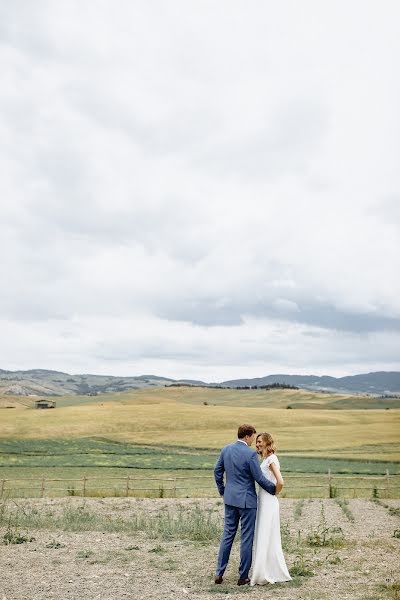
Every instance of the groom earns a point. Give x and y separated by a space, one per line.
242 468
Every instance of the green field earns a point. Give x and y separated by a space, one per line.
88 453
106 463
177 432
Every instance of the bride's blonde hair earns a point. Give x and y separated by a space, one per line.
270 446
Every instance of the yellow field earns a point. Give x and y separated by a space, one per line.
277 398
177 416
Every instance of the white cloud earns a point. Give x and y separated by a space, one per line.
219 173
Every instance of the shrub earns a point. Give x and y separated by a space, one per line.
324 536
54 544
298 509
301 566
158 550
13 537
333 492
344 505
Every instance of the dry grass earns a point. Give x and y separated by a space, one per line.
136 417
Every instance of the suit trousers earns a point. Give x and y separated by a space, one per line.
247 519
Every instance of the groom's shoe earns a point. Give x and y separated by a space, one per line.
218 579
243 581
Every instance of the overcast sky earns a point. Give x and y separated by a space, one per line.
200 189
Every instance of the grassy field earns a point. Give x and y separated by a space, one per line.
170 431
166 470
99 453
272 398
180 417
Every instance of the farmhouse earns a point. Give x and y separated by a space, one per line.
45 404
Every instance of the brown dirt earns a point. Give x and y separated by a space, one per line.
98 566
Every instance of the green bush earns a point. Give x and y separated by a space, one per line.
324 536
14 537
333 491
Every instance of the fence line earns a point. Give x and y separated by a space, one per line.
328 486
287 476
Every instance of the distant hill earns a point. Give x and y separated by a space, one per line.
381 382
42 382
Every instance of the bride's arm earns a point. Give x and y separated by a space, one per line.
279 479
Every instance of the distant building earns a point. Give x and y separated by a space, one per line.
45 404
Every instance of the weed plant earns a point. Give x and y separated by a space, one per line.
324 536
344 505
286 537
194 524
391 590
302 565
333 491
298 509
55 544
14 537
158 550
394 511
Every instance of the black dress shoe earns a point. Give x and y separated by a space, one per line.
243 581
218 579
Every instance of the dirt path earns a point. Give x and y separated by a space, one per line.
98 565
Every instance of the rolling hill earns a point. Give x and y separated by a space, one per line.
43 382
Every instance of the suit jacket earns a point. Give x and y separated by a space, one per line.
240 463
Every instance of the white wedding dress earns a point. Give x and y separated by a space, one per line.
269 564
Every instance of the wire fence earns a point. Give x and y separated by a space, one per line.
319 485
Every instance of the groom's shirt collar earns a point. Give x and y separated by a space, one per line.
242 442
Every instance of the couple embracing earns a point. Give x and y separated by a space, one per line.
242 468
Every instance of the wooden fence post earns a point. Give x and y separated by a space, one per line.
174 488
42 488
2 488
127 486
84 485
329 483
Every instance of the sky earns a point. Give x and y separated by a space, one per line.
205 190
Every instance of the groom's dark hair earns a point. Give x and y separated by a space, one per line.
245 430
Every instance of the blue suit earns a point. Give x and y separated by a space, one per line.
240 463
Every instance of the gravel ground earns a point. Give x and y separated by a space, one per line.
106 566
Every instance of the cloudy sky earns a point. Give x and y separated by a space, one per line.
200 189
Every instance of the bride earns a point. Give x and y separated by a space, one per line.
269 564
